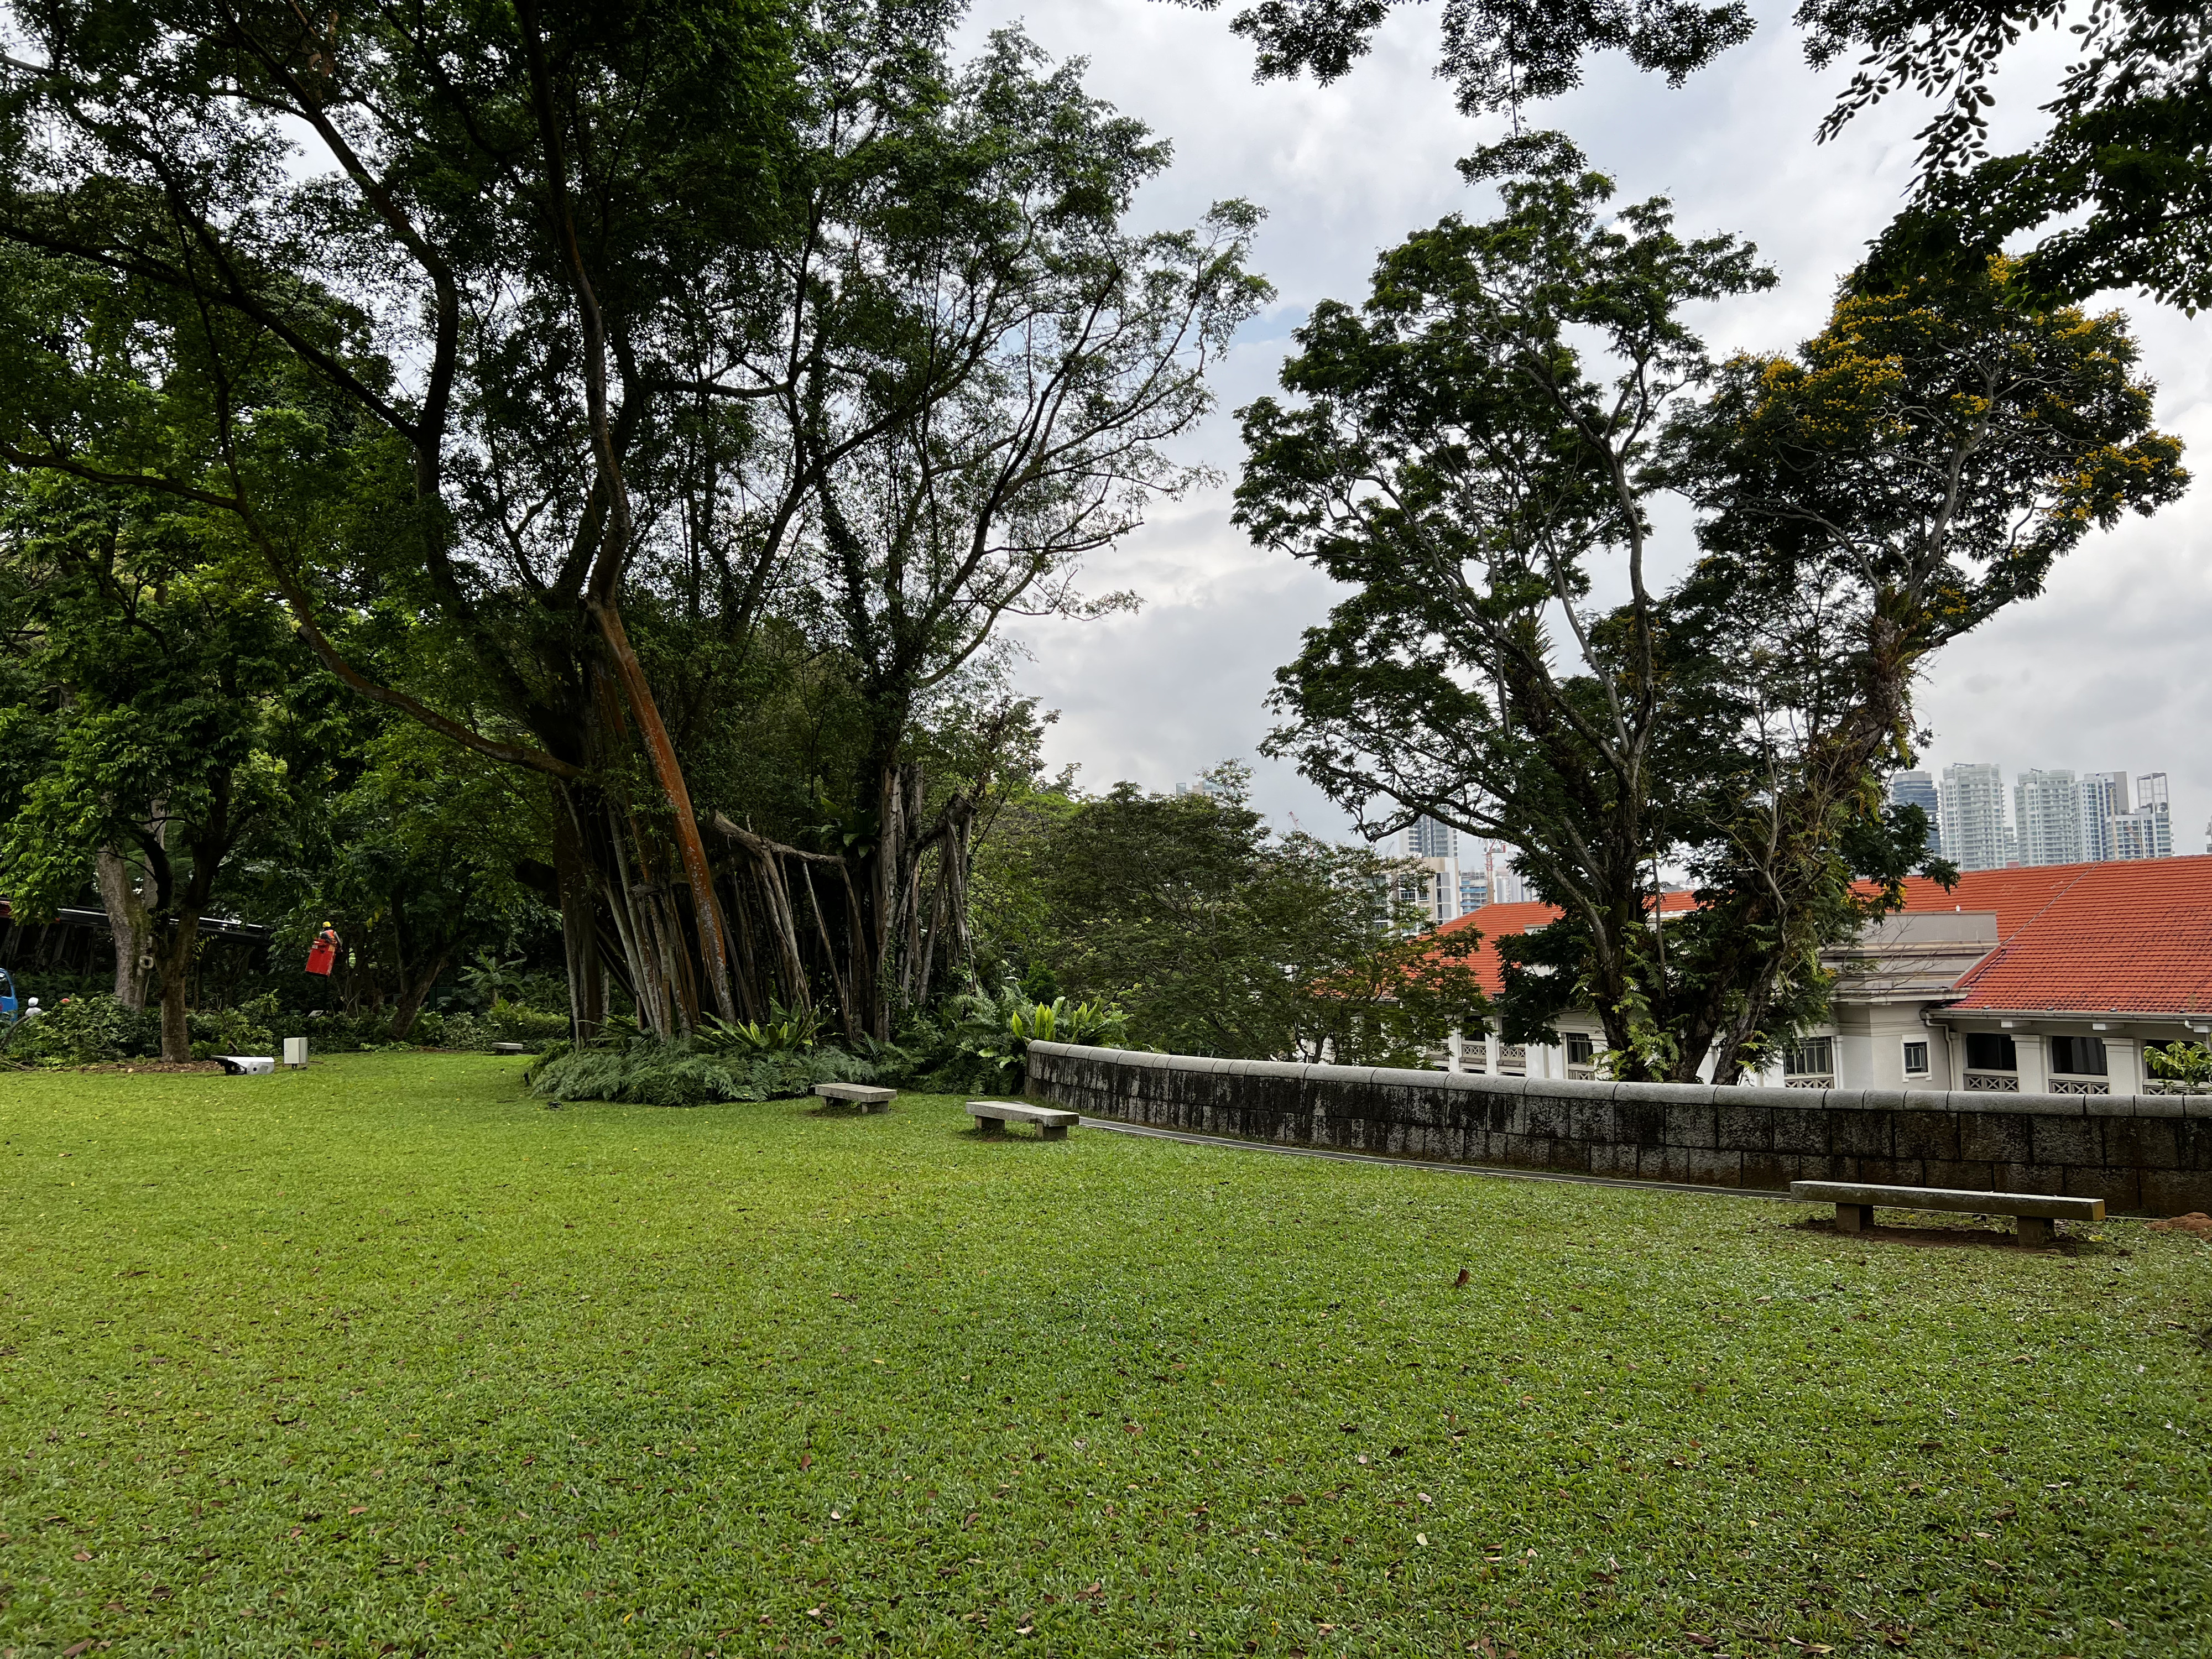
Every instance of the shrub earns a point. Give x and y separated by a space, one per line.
516 1022
227 1032
651 1073
784 1031
2189 1064
980 1040
85 1032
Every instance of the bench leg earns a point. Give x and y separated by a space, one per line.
2035 1232
1854 1218
991 1128
1053 1131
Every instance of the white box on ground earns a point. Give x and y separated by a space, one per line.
295 1051
248 1065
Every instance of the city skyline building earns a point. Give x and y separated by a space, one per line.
2147 831
1918 789
2046 816
1971 805
2104 797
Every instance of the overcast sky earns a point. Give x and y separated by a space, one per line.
2103 672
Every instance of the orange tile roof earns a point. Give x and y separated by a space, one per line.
2132 937
1497 921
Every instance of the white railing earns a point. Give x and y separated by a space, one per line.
2081 1085
1994 1083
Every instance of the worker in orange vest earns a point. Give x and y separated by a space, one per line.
323 954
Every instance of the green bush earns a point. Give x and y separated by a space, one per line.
785 1030
227 1032
980 1040
2189 1064
85 1032
516 1022
651 1073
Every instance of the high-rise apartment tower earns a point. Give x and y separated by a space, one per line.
1971 803
2046 809
1918 789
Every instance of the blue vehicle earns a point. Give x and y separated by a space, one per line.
8 1000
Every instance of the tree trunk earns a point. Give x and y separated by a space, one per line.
409 1002
176 960
129 924
580 915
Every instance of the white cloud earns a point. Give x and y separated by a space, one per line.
2093 675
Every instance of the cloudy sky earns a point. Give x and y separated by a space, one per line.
2103 672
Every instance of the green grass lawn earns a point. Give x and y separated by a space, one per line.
387 1357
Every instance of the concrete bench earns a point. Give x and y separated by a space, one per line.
865 1096
247 1064
992 1117
508 1049
1855 1203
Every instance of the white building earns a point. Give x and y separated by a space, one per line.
2147 832
2104 797
2047 980
1971 805
2046 811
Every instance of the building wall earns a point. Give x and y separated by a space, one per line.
2146 1154
1972 804
2046 809
2104 797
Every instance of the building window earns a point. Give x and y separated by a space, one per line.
2078 1056
1991 1051
1915 1059
1815 1057
1581 1049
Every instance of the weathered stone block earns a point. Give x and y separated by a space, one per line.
1746 1128
1991 1137
1546 1114
1926 1135
1714 1167
2067 1140
2143 1143
1860 1134
1693 1126
1612 1158
1769 1171
2192 1143
2121 1189
2175 1192
1961 1177
1800 1129
2028 1178
1893 1171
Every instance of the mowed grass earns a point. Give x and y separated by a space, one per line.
387 1357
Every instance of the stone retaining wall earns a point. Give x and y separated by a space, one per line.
2143 1154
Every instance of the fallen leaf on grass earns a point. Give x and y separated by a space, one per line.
1461 1280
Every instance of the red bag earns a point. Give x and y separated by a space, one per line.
323 954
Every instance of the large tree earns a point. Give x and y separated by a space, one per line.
603 335
1470 451
1220 937
1508 665
160 735
2116 189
